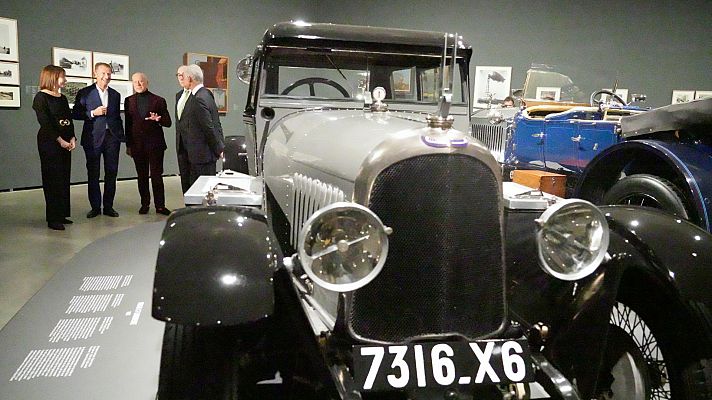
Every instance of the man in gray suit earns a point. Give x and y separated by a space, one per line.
199 135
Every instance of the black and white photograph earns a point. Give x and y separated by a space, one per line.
548 93
9 73
125 89
703 94
682 96
9 96
622 93
74 62
492 84
72 86
119 64
8 40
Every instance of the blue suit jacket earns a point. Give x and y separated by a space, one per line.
87 100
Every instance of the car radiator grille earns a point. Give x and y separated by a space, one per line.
444 271
493 136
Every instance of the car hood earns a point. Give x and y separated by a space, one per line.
315 139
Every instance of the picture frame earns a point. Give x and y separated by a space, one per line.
215 75
72 87
125 89
9 73
8 40
119 64
9 96
548 93
703 94
75 62
682 96
623 93
492 84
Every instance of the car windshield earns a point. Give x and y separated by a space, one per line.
345 75
567 84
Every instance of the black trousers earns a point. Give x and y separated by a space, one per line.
150 161
109 149
189 172
56 164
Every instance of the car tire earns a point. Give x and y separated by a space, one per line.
642 359
210 363
647 190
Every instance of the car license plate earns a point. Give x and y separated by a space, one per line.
442 364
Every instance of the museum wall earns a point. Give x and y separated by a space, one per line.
650 47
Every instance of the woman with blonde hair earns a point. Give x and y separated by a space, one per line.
55 141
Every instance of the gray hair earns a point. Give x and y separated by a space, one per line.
195 72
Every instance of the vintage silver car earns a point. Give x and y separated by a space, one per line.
388 259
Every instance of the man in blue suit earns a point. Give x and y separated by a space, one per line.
98 106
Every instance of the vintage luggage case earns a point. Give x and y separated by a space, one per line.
548 182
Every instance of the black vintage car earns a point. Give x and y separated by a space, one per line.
388 259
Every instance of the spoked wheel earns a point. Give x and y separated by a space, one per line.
637 368
647 191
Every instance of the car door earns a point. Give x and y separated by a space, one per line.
593 137
528 142
559 143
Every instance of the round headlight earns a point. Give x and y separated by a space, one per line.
343 246
572 239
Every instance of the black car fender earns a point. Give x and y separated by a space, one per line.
215 266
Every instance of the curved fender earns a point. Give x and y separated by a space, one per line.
215 267
691 164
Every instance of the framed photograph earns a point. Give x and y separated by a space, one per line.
72 87
125 89
9 73
8 40
492 84
549 93
703 94
74 62
119 64
623 93
215 75
9 96
682 96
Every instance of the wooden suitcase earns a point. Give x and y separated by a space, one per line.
548 182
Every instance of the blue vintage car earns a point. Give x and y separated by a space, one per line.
611 152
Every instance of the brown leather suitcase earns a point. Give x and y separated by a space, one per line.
547 182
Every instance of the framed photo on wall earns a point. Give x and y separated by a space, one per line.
125 89
74 62
215 75
492 84
548 93
682 96
72 87
8 40
703 94
119 64
622 93
9 73
9 96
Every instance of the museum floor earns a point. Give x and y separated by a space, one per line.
30 253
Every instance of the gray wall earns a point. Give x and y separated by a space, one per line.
651 47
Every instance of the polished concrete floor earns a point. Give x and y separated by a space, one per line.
30 253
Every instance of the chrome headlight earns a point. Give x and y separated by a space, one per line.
572 239
343 246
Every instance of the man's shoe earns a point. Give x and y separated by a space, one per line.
111 212
94 212
163 211
143 210
57 226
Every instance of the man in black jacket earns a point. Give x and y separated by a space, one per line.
199 135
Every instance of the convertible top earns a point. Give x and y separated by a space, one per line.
695 115
351 37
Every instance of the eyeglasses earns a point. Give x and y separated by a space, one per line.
179 75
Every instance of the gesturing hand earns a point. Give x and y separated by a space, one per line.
152 116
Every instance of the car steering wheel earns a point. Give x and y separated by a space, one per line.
311 81
595 103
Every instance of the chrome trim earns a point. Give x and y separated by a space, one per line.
493 136
324 322
308 196
558 380
344 382
394 53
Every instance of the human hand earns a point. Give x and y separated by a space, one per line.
101 110
152 116
72 144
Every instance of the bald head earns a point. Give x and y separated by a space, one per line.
140 82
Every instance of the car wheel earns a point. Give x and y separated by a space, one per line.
210 363
639 363
648 191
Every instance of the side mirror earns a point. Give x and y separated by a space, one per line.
244 69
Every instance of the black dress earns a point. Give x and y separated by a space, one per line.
55 120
